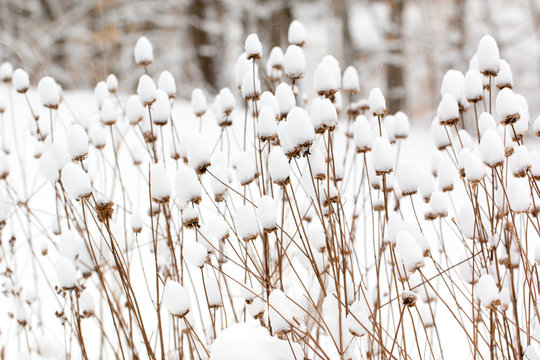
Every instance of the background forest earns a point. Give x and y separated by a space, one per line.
403 46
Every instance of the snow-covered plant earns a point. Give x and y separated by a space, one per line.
276 218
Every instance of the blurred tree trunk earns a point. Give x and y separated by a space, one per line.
280 20
201 41
347 49
459 25
394 63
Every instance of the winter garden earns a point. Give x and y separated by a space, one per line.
268 221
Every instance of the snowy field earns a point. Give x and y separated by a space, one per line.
277 220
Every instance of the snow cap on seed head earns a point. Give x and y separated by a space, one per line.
49 92
160 184
492 148
251 86
134 110
21 81
226 101
294 62
253 47
297 33
198 102
324 80
161 109
350 83
76 181
6 72
112 83
143 52
474 86
382 155
285 99
453 83
242 66
167 83
176 299
278 166
146 90
77 142
363 136
507 105
488 56
504 77
448 110
377 103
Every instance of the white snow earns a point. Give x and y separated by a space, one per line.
278 165
198 102
487 291
167 83
504 77
401 125
453 83
75 181
161 109
146 90
520 161
101 93
188 188
297 33
48 91
253 47
299 128
246 222
285 99
142 52
474 87
134 109
109 112
266 124
87 304
77 141
363 137
377 103
519 194
245 167
407 179
112 83
251 85
21 80
507 104
195 254
176 299
409 251
294 62
488 56
474 168
350 82
267 213
448 110
226 100
160 183
281 317
276 58
6 71
324 80
383 155
248 341
485 122
492 148
198 153
66 273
